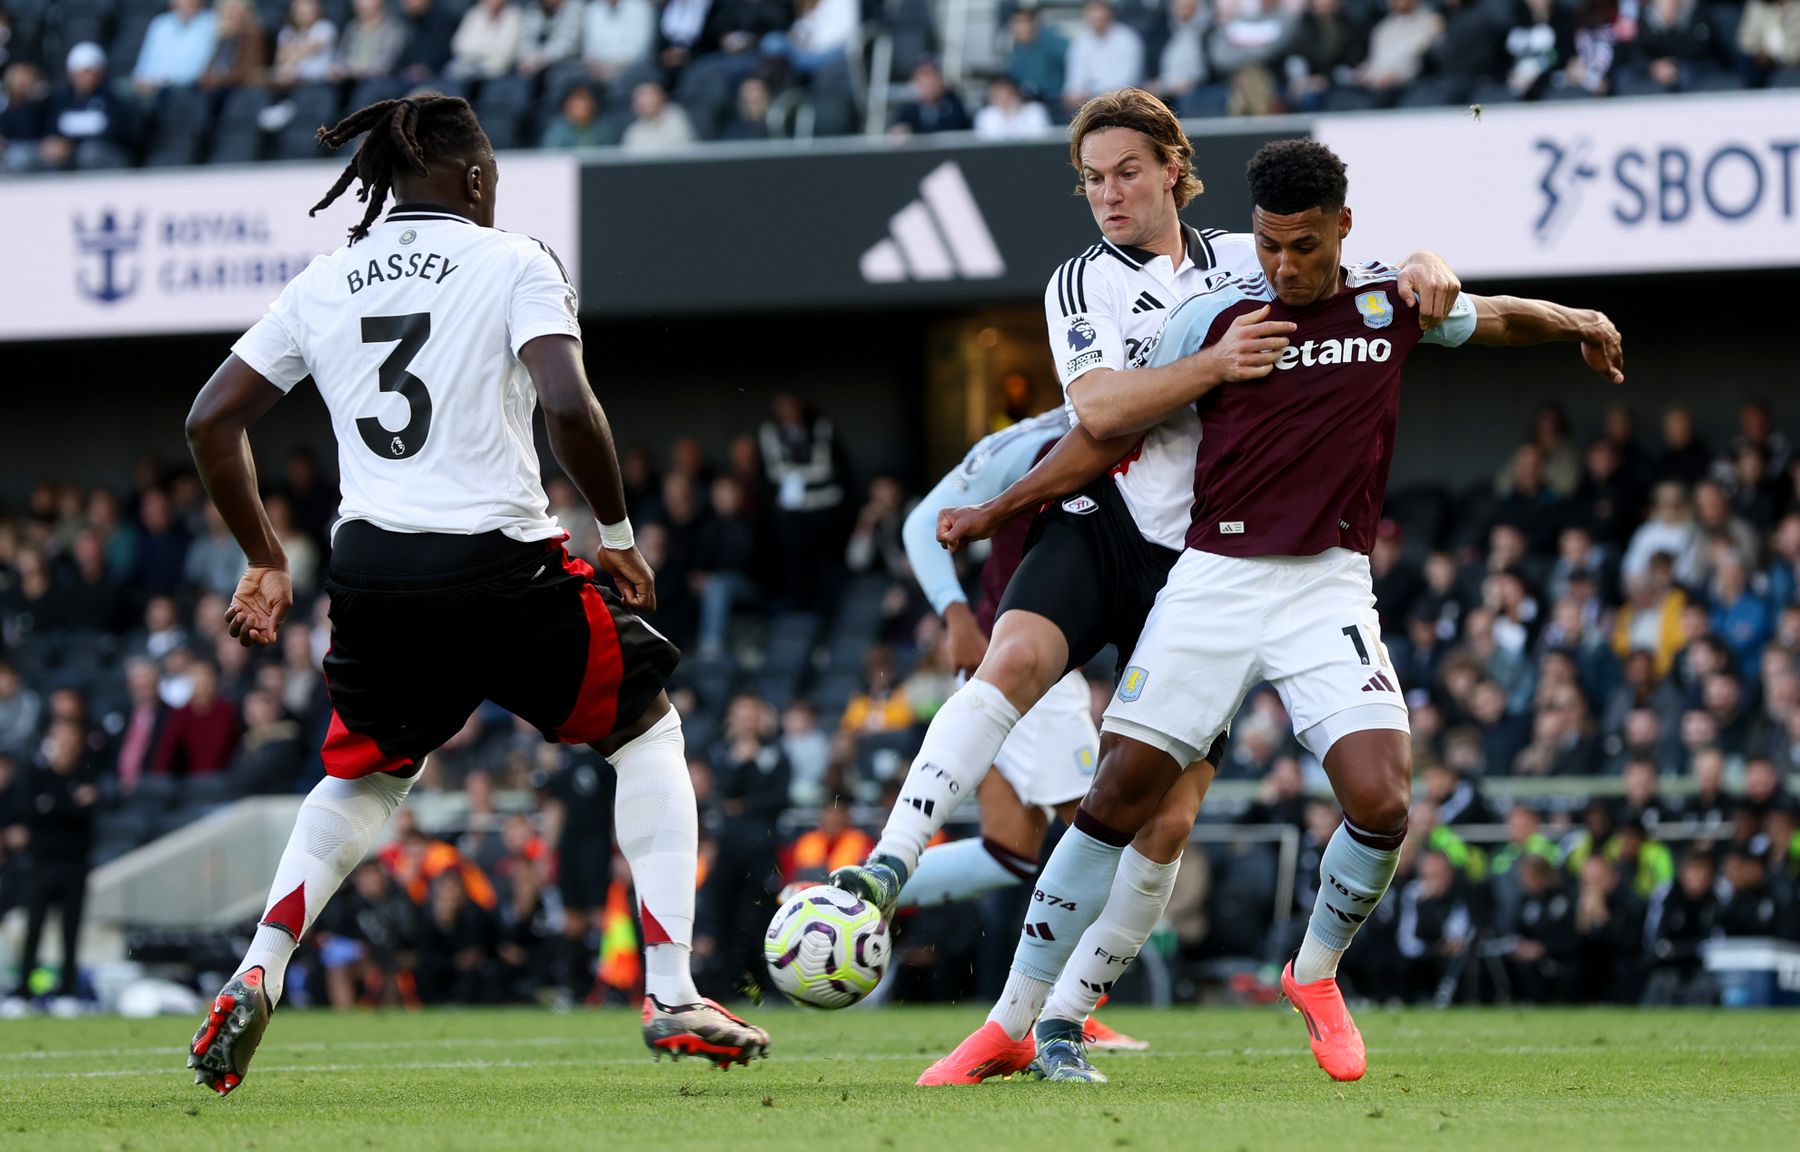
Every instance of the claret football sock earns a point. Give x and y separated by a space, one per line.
958 749
659 836
337 825
1354 873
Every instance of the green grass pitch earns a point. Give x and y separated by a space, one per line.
1223 1079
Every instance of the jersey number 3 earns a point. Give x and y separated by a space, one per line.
411 331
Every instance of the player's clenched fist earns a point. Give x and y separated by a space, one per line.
1251 345
631 574
1603 348
959 526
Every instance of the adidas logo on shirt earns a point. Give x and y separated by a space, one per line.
1146 303
939 236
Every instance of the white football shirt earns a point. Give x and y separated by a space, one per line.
412 336
1104 309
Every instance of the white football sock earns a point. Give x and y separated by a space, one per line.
963 869
958 749
1140 894
337 825
659 834
1019 1004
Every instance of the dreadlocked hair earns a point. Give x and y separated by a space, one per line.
406 135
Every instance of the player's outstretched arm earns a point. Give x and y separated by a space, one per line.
218 437
582 442
1512 321
1077 458
1113 403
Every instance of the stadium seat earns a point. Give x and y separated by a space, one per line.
376 89
1786 78
1351 100
314 104
1206 101
1431 92
182 118
237 137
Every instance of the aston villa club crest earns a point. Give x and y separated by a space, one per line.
1375 309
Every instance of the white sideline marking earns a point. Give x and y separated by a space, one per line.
876 1057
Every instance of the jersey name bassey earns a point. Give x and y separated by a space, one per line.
431 267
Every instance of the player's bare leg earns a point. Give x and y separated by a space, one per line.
659 836
338 824
1026 656
1371 771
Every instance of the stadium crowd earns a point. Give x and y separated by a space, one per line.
1618 609
110 83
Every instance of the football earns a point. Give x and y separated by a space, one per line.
826 948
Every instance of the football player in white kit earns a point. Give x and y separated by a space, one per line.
431 337
1100 553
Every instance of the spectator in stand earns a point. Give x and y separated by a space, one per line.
240 53
1466 56
1677 45
371 44
617 35
1038 56
268 758
799 452
1181 67
1104 56
1540 944
141 727
1650 620
24 116
882 705
1398 45
89 600
302 553
724 36
808 750
1542 35
723 564
430 31
1597 36
1672 531
833 844
658 124
875 543
1008 115
1719 527
1769 38
1609 502
1252 35
1685 457
1434 927
750 117
91 127
550 33
1527 502
60 795
1682 917
820 38
177 46
457 940
487 41
1753 908
1739 616
1609 933
751 779
1752 496
20 710
577 123
215 562
933 107
202 733
1329 42
304 46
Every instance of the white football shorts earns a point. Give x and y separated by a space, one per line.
1223 624
1050 754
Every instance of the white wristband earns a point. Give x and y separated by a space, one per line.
617 537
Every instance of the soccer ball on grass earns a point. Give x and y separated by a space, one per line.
826 948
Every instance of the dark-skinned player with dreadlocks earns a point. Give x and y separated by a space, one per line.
431 337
